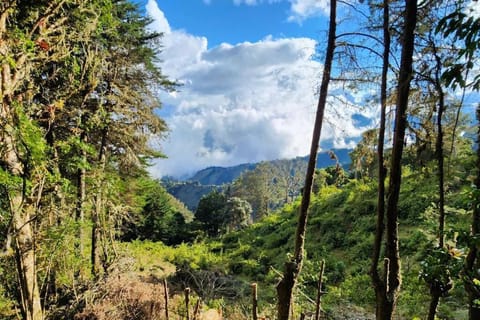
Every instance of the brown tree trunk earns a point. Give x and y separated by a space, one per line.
99 210
320 292
378 283
393 280
81 196
293 267
254 301
432 309
26 262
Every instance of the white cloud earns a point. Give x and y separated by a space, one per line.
243 102
303 9
253 2
473 9
300 10
160 23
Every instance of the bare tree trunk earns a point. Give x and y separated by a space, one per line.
165 294
378 283
98 211
254 302
187 303
393 280
432 309
81 195
293 267
319 291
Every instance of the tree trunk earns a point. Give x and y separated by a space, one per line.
293 267
378 283
26 262
81 196
22 212
432 310
393 280
99 209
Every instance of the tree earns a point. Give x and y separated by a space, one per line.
238 213
211 213
294 266
379 284
77 105
466 30
363 156
29 35
259 188
392 273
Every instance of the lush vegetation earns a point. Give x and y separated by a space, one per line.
81 220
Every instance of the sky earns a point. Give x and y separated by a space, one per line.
249 70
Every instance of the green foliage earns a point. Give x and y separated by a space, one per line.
439 266
211 213
465 28
217 213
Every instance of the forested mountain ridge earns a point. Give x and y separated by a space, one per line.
222 175
202 182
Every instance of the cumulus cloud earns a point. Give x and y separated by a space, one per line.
473 9
244 102
160 23
303 9
300 10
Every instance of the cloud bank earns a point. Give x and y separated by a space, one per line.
243 102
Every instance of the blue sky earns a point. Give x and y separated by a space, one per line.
249 71
224 21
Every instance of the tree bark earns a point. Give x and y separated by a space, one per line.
378 283
392 253
81 196
26 262
21 210
293 267
99 209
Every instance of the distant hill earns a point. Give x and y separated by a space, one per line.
204 181
223 175
220 175
188 192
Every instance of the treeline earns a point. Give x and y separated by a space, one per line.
78 88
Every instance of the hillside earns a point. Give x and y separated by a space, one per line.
220 175
223 175
340 231
202 182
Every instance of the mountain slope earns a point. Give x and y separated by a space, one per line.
204 181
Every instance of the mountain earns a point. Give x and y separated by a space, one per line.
188 192
223 175
205 180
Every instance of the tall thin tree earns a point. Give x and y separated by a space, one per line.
392 278
294 266
378 283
